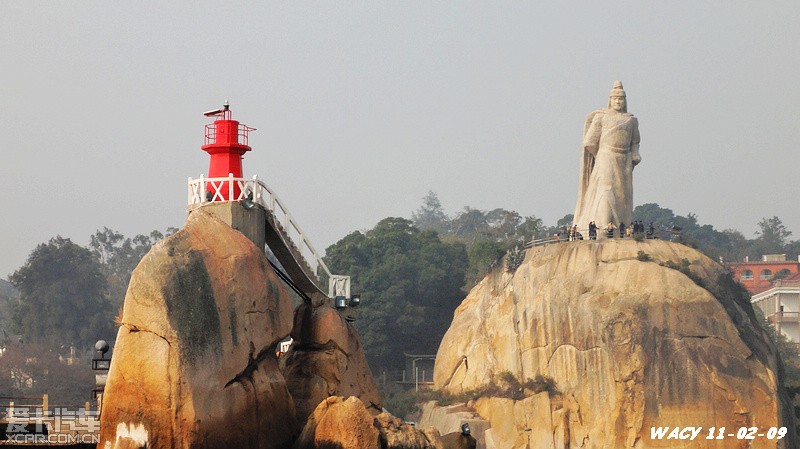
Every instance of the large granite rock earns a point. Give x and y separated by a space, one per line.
394 433
339 423
326 359
194 362
631 344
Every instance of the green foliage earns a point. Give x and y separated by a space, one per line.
430 216
683 267
514 259
8 297
62 296
486 235
410 283
643 256
405 403
566 220
731 245
483 256
773 237
512 388
68 294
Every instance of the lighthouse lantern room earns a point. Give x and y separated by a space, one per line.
226 141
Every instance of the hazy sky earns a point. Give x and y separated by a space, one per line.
362 108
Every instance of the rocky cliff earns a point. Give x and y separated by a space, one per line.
326 359
194 362
195 365
635 334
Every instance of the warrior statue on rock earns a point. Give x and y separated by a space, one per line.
609 153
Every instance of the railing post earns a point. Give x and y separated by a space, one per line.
202 189
45 401
230 187
256 190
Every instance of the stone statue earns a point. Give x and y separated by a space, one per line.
610 151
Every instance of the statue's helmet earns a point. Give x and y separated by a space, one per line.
617 91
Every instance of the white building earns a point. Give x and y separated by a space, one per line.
781 305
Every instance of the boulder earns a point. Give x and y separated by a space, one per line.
194 362
396 434
635 334
326 359
338 423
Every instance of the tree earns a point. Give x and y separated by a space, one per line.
772 235
713 243
469 224
8 296
410 283
661 218
430 216
484 255
62 296
531 228
566 220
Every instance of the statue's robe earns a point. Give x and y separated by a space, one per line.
610 151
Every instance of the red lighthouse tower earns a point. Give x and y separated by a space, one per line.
226 142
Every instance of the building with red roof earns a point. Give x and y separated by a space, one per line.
758 277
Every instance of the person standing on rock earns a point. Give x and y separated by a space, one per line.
610 230
610 151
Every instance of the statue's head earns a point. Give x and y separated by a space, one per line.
616 99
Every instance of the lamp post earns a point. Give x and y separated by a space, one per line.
101 365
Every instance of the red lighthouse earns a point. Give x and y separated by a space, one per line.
226 142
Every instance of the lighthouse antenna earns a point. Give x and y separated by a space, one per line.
214 113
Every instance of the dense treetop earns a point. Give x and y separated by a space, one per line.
413 281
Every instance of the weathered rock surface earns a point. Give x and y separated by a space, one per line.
396 434
448 419
457 440
339 423
326 359
194 362
631 345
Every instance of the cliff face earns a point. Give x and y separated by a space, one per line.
194 362
326 359
631 344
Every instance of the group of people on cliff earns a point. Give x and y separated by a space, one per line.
635 229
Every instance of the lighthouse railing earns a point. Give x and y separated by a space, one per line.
210 134
203 191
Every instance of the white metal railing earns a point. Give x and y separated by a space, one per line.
207 190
